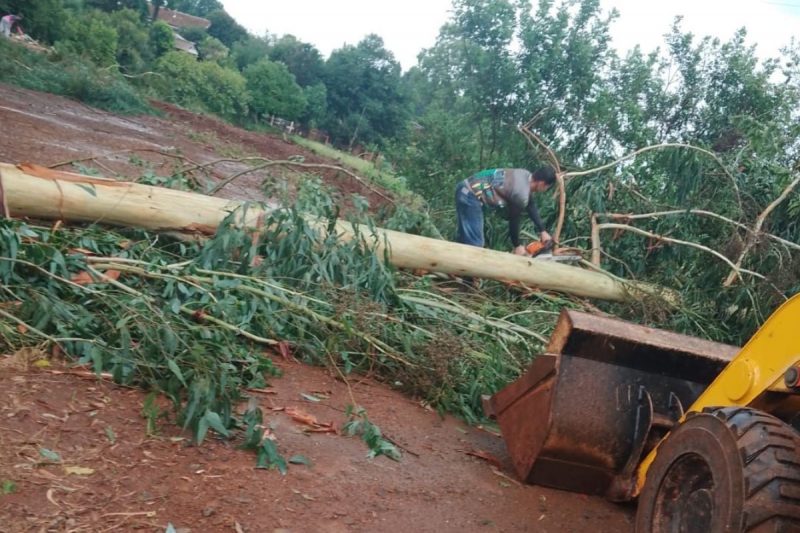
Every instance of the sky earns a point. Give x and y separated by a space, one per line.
408 26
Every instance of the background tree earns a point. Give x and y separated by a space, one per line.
365 99
199 8
274 90
134 50
303 59
211 49
162 38
317 105
225 28
250 50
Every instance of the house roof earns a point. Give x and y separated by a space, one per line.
177 19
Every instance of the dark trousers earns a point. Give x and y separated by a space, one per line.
469 217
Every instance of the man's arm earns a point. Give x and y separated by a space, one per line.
533 212
514 216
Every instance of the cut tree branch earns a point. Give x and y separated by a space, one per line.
701 212
575 174
753 237
626 227
269 163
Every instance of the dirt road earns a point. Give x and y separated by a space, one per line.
128 480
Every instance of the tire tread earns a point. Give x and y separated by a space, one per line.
770 453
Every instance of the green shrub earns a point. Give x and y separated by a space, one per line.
181 79
274 90
70 76
162 39
91 36
202 85
224 91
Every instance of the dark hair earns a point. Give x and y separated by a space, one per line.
547 174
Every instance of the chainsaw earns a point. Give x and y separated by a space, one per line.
546 252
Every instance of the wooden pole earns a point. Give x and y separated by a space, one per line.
38 192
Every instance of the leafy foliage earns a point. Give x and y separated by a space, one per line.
178 318
225 28
223 91
302 59
274 90
365 100
69 76
162 38
371 434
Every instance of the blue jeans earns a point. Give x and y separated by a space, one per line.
469 216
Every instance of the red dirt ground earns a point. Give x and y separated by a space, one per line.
141 482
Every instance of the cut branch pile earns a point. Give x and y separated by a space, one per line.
197 321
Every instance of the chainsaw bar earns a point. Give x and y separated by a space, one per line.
559 258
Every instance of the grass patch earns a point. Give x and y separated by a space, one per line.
69 76
380 177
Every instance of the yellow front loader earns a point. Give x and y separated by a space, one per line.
705 435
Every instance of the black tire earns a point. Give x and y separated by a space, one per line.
729 469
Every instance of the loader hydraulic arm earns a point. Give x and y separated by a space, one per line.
765 363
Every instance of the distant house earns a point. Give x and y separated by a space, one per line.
177 20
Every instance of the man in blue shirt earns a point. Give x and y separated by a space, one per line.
510 188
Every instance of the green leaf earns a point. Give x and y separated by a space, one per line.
50 455
269 457
97 358
300 460
215 423
8 487
170 340
173 366
202 430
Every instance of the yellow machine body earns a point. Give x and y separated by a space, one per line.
759 367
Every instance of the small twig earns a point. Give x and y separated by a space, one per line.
752 238
690 244
701 212
269 163
575 174
54 340
120 152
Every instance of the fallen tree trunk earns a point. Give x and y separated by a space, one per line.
37 192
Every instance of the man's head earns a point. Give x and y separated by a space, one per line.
543 178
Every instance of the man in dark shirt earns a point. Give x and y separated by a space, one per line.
510 188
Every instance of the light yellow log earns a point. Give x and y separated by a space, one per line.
37 192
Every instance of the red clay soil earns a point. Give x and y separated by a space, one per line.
132 481
47 129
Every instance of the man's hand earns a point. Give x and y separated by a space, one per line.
545 237
520 250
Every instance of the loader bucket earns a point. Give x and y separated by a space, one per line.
606 391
